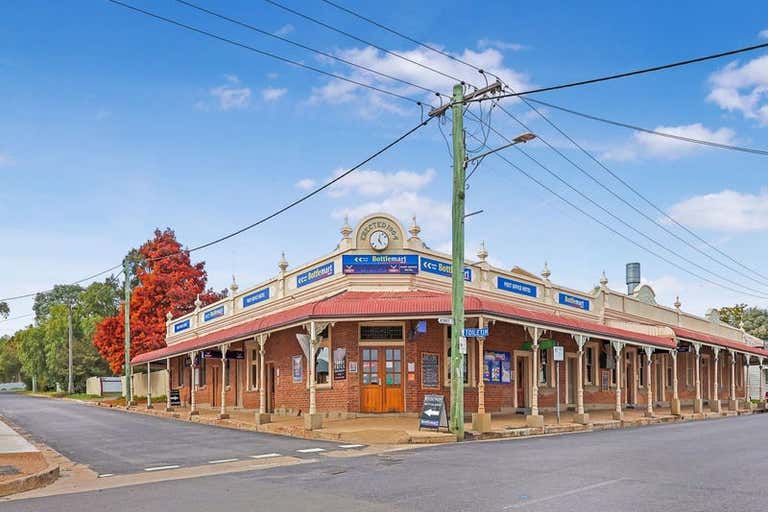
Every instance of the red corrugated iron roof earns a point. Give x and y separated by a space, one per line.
719 341
355 304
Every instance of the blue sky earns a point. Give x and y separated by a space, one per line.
112 124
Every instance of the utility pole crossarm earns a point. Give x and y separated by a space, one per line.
494 87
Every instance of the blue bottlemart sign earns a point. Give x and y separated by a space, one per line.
441 268
213 313
571 300
256 297
181 326
316 274
519 287
380 263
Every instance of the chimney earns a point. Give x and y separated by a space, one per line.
633 277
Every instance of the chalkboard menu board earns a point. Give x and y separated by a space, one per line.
430 370
433 413
175 398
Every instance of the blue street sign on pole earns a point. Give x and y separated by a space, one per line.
473 332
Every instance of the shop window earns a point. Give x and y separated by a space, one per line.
226 367
589 354
544 370
690 368
200 373
469 360
670 369
253 374
641 362
607 360
180 373
322 365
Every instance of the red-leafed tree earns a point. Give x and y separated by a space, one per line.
168 284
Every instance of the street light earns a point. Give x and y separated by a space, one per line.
520 139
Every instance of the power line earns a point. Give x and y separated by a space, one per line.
613 230
16 318
272 215
79 281
305 47
755 151
360 40
619 196
263 52
629 73
627 224
590 155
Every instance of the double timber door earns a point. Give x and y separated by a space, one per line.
381 388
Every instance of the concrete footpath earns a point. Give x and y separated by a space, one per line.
22 465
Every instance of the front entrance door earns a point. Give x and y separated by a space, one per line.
521 382
705 378
382 384
658 387
270 374
572 380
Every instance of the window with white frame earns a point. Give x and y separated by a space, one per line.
468 360
253 368
641 362
690 368
200 372
322 366
589 365
544 367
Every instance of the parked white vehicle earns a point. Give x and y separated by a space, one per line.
12 386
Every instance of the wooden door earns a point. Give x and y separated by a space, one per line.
393 379
381 388
270 405
522 382
215 372
370 389
572 380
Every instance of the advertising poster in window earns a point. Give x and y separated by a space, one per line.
430 370
497 367
340 364
298 369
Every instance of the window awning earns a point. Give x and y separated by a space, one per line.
351 305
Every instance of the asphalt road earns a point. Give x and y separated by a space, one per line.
715 465
111 441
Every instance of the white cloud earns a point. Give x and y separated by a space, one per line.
763 34
372 103
742 89
284 30
500 45
273 93
433 216
370 183
306 183
232 96
648 145
724 211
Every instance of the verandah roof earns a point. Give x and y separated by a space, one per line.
357 304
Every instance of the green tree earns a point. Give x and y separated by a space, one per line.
10 366
4 310
754 319
60 294
30 346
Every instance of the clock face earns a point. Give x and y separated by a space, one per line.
379 240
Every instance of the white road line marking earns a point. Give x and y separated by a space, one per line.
351 445
265 456
160 468
221 461
105 475
311 450
563 494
